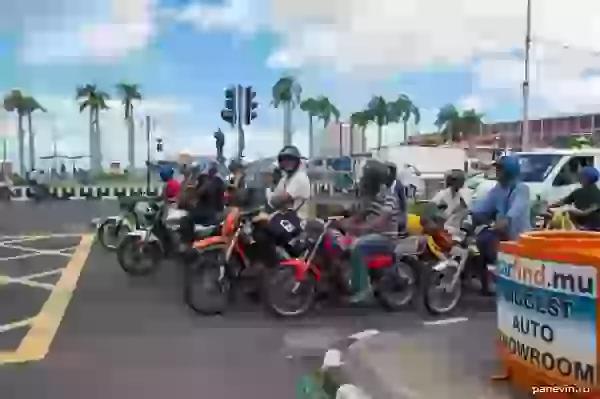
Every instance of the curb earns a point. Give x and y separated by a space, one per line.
332 379
93 193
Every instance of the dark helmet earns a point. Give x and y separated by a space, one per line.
590 174
455 178
374 174
289 152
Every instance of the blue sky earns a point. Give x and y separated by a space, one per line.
184 52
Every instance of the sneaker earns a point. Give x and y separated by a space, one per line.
361 296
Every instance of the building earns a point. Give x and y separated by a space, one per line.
336 136
543 132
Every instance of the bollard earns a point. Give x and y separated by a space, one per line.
547 303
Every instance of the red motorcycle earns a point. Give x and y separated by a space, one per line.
293 287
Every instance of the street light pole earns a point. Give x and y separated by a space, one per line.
147 154
525 133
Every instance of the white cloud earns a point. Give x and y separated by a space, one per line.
101 31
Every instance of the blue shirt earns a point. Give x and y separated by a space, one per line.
512 202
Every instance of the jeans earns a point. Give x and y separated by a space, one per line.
364 248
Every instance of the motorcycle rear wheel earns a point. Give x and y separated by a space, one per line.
403 275
281 283
434 286
206 286
132 248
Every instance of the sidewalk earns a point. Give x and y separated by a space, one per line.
442 362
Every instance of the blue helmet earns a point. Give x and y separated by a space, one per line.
166 173
590 174
510 166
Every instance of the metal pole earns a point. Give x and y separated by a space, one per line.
341 125
147 154
4 153
240 125
525 133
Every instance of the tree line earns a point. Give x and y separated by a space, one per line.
452 124
91 99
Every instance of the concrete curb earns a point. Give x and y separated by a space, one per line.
96 192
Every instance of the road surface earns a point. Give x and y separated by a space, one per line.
123 337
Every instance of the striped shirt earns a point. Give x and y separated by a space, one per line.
386 203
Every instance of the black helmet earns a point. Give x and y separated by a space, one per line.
374 174
289 152
455 177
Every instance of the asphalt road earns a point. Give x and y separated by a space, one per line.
125 337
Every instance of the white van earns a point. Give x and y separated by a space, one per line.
551 174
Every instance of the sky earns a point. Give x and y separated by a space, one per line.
183 53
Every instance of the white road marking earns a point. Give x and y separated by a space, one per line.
15 325
42 274
333 358
445 321
364 334
34 284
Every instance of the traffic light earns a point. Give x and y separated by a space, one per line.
251 105
228 114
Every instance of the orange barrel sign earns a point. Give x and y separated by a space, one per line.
547 301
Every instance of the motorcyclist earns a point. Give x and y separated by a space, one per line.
507 205
454 200
398 189
293 190
172 187
375 225
585 199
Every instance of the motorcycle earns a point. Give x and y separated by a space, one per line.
293 287
142 251
232 256
113 229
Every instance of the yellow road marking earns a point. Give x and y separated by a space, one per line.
44 326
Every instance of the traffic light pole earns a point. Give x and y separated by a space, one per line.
147 154
240 125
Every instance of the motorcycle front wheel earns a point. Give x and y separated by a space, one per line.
397 287
285 296
206 285
110 233
439 295
139 257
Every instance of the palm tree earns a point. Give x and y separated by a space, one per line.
286 91
31 105
471 123
15 102
129 93
404 109
327 110
448 122
311 107
380 112
361 119
94 100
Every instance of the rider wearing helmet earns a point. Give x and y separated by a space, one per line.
454 200
172 186
507 205
585 199
293 190
375 224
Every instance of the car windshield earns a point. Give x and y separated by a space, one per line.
534 167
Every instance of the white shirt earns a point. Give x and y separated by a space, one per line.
454 213
298 187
